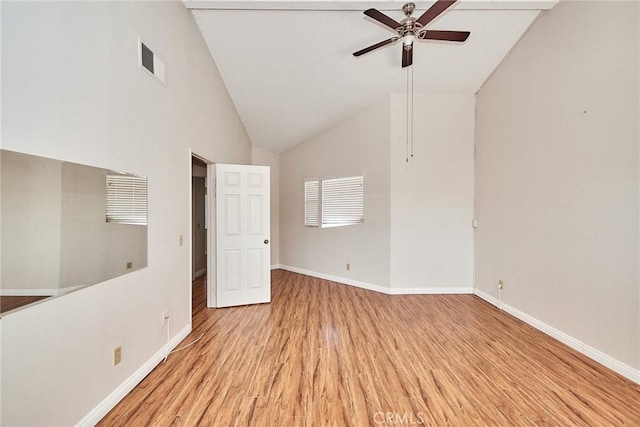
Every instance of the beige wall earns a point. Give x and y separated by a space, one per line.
199 232
31 225
417 234
358 145
91 249
262 157
557 177
72 90
432 194
56 236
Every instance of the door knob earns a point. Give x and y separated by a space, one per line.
266 241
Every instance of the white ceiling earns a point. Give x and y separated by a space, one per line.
289 68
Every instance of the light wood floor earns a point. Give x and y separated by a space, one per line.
328 354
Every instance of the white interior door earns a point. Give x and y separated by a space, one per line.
243 257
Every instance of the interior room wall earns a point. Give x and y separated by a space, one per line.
262 157
72 90
417 236
104 248
558 178
358 145
198 215
432 193
199 232
31 225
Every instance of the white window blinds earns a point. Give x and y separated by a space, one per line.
126 199
311 203
342 201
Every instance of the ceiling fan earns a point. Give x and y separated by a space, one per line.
411 29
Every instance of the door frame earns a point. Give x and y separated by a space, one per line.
210 226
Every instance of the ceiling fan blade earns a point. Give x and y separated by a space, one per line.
382 18
452 36
375 46
434 11
407 56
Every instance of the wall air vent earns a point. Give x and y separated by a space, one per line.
149 61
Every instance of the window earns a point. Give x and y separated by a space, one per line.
340 202
126 199
311 202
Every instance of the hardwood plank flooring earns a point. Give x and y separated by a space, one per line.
11 303
327 354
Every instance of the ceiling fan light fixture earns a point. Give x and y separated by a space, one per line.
408 39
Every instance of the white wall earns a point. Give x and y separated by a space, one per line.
355 146
417 235
262 157
432 194
32 225
72 89
558 177
91 249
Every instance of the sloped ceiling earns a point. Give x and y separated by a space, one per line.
289 68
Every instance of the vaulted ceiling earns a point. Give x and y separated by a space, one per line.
289 68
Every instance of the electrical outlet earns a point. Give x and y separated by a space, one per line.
117 355
348 266
500 284
129 265
165 318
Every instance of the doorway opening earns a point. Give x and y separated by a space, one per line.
200 233
232 231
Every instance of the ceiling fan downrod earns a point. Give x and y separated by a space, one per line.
408 9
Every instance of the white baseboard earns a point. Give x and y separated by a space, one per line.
380 288
488 297
200 273
276 266
93 417
344 280
439 290
600 357
28 292
68 290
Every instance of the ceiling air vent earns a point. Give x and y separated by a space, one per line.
150 62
